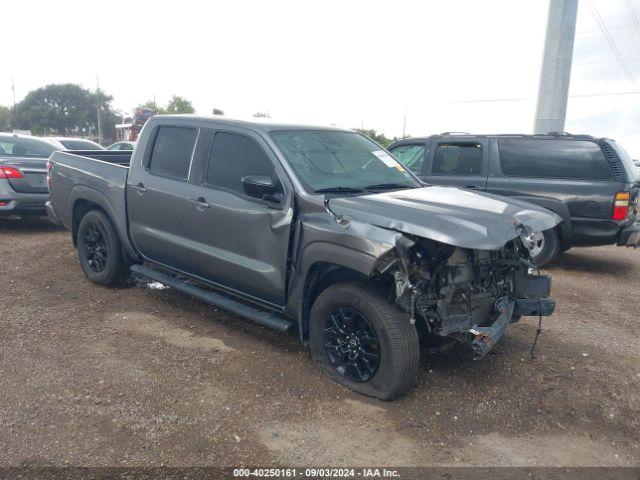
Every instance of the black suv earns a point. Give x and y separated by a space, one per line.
590 182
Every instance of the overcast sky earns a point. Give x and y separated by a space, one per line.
349 63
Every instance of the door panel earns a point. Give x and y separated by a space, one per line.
234 240
157 209
157 198
238 243
458 163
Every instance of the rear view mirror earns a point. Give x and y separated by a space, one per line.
262 187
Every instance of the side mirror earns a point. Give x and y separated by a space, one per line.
262 187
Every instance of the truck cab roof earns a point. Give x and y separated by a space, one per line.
262 124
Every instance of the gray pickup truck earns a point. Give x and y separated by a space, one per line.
312 228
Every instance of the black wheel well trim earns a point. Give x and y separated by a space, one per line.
320 276
80 208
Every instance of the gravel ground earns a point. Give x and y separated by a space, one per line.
146 376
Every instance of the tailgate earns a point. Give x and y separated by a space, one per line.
34 174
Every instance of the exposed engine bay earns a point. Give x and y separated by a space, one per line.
463 294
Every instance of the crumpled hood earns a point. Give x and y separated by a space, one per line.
449 215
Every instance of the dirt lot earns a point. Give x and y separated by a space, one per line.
142 376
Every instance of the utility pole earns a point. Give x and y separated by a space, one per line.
99 125
404 123
556 66
15 114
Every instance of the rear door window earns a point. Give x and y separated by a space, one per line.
457 158
172 151
570 159
411 156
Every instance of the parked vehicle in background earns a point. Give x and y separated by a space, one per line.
23 172
314 228
590 182
119 146
131 126
70 143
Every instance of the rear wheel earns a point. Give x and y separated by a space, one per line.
99 249
362 341
543 246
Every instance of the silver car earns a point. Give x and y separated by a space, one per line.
23 174
122 146
71 143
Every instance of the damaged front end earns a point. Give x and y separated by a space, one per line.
463 294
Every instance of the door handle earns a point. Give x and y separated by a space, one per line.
472 187
200 203
140 188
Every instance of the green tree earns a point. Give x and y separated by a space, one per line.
6 119
179 104
379 138
66 109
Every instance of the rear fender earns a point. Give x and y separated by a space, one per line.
90 198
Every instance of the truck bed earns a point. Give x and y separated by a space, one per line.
118 157
95 176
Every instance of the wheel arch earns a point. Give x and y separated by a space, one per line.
84 199
79 209
320 276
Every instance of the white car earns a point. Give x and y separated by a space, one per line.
70 143
124 145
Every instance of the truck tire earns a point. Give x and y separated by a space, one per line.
363 342
99 249
546 246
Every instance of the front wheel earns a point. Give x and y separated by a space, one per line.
363 342
99 249
543 246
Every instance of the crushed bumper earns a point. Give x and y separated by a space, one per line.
630 236
487 337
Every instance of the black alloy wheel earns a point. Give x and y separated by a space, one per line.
99 249
95 248
351 344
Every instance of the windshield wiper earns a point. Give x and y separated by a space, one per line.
339 190
388 186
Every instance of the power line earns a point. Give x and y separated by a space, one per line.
634 17
520 99
610 41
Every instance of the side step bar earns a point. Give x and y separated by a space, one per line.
262 317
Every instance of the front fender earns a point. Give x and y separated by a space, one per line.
354 246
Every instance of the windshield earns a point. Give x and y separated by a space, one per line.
340 160
80 145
